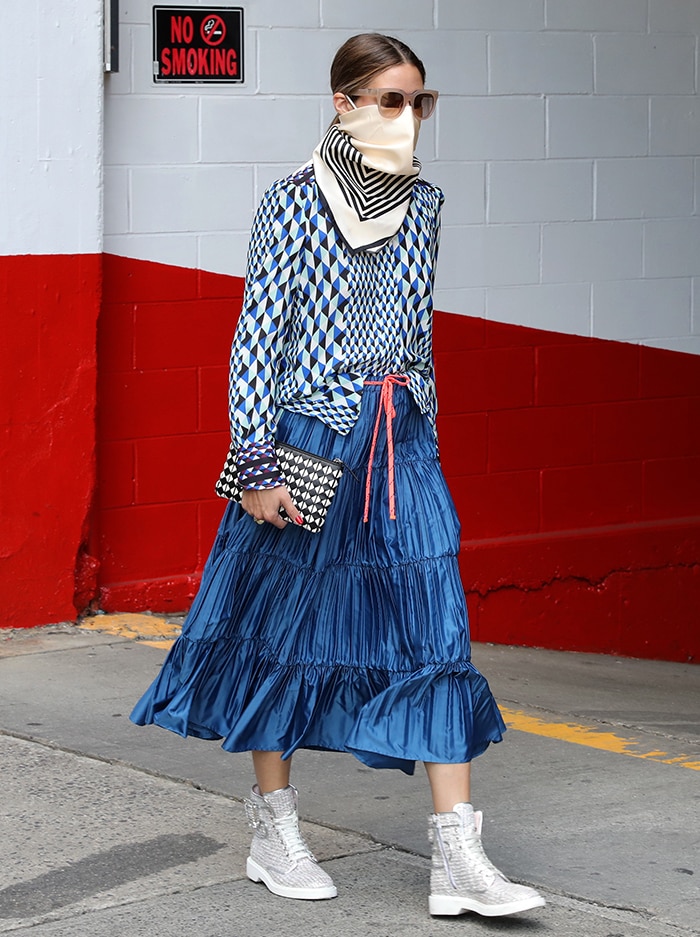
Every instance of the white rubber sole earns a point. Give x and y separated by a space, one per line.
449 905
256 873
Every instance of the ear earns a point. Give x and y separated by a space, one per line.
341 103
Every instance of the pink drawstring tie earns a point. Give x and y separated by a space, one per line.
386 405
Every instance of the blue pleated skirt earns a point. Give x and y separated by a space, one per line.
355 639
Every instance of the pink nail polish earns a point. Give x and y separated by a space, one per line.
299 520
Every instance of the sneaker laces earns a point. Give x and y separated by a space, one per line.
468 842
479 847
292 840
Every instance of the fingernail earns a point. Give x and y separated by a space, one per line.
299 520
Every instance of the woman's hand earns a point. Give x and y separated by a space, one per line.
264 504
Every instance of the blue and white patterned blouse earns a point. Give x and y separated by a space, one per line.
318 319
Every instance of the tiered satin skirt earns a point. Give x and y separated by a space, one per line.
355 639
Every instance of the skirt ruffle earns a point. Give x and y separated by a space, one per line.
355 639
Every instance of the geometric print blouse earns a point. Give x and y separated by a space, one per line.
317 319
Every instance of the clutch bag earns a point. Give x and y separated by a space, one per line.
310 479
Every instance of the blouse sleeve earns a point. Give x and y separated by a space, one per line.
437 226
426 393
258 343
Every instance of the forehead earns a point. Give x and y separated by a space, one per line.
405 77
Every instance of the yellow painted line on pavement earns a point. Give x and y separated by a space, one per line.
592 738
156 631
147 629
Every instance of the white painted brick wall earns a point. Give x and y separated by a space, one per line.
592 251
674 126
167 130
476 255
671 248
589 125
658 64
116 200
456 60
465 183
594 16
675 16
540 63
50 127
644 188
490 14
540 190
491 128
206 198
246 130
314 47
621 305
370 15
560 307
567 141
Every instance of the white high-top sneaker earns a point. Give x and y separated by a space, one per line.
462 878
279 856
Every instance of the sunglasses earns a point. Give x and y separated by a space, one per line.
391 101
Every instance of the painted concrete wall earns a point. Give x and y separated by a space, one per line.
568 143
573 463
50 283
51 140
566 139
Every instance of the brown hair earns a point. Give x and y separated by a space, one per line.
362 57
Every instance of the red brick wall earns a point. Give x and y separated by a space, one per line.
163 346
547 432
574 464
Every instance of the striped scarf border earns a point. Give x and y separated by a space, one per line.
369 192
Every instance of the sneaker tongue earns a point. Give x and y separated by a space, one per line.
465 812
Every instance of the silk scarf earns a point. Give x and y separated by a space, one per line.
365 170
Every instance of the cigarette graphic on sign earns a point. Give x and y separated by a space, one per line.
213 31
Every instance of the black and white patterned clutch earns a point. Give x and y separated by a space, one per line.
310 479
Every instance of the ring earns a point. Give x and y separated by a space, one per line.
258 520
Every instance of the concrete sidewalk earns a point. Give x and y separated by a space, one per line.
109 829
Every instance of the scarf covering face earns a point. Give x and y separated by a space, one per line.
365 170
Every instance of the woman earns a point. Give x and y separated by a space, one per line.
354 639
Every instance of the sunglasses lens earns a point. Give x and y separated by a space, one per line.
423 105
390 103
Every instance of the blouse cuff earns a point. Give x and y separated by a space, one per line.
258 467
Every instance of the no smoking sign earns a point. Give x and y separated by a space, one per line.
197 45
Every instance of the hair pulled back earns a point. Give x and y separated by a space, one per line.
363 56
